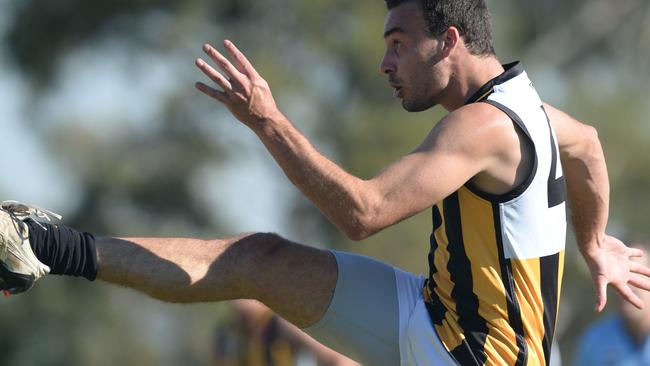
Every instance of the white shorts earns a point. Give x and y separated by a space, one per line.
378 317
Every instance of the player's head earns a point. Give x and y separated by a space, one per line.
470 17
421 35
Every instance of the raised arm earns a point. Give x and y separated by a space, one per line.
583 162
359 207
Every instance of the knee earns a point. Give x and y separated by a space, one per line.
270 239
262 246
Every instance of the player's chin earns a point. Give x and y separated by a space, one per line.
411 106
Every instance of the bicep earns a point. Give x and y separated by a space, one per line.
434 170
467 142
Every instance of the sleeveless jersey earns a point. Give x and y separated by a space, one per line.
496 261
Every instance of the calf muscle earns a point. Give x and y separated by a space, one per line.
294 280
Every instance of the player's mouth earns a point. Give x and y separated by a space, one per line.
398 92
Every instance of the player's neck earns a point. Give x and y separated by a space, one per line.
469 77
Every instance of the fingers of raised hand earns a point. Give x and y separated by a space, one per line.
639 281
640 268
601 293
628 295
243 65
224 64
636 253
213 74
211 92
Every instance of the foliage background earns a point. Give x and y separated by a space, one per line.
101 123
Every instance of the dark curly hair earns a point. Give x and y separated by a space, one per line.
470 17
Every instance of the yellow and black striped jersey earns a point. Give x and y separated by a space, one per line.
496 261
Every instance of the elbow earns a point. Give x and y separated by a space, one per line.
357 233
593 147
360 227
588 138
591 135
364 217
587 148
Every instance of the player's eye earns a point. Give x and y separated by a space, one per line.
396 45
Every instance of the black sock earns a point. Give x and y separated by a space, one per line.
66 251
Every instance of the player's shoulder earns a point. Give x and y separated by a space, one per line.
478 123
477 115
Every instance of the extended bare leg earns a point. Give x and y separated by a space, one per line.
294 280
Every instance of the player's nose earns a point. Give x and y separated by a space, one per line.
387 65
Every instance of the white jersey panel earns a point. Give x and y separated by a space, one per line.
532 225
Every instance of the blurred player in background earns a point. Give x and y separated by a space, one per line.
254 336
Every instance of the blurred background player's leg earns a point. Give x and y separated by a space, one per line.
254 336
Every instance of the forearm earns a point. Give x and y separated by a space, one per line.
588 191
345 199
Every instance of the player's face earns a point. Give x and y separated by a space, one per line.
412 59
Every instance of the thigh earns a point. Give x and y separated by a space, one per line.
363 320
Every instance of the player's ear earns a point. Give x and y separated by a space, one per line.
450 40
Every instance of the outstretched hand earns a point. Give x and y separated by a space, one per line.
243 91
613 263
